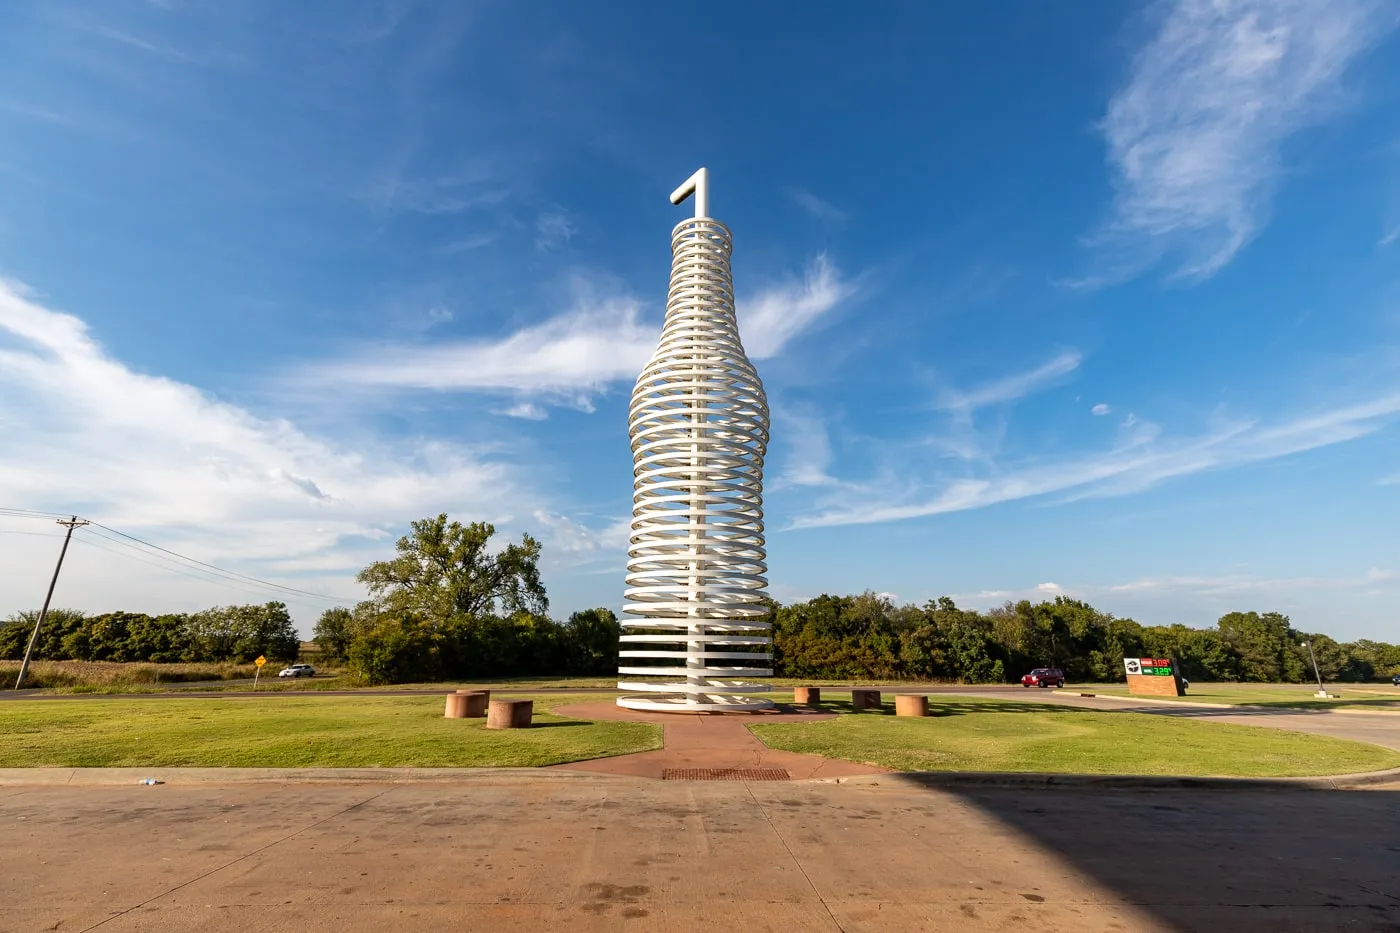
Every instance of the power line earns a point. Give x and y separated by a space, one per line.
169 563
179 561
29 513
231 573
190 572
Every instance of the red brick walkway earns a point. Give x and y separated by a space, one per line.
696 740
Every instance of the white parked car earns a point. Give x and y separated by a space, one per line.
297 670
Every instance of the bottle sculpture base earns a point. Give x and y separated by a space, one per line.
677 698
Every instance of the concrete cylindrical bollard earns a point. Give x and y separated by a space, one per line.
865 699
806 696
477 701
910 704
510 714
456 706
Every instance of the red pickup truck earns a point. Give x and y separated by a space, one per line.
1044 677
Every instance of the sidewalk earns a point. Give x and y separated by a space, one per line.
710 741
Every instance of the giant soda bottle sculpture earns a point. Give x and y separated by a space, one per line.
696 568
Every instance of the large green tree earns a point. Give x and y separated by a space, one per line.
446 569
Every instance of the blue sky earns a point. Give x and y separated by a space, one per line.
1049 298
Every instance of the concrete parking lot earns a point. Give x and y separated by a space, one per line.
527 852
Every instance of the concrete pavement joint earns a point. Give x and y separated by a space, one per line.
795 860
229 864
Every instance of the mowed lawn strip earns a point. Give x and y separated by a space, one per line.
1300 696
282 732
986 735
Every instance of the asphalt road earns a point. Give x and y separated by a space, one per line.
528 852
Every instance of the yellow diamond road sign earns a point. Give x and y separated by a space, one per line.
260 661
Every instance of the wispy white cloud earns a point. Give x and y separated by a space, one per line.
821 210
600 341
1230 586
526 410
1389 238
808 448
1194 136
1199 599
396 190
554 229
1141 460
578 541
768 321
1012 387
1101 409
467 244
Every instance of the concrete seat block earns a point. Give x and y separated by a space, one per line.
911 704
865 699
510 714
477 701
807 696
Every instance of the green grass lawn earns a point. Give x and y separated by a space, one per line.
363 731
989 735
1300 696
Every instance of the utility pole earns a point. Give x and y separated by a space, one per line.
1321 690
72 523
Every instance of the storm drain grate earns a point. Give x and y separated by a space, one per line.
725 774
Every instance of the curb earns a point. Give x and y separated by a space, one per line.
117 777
132 777
956 779
1149 701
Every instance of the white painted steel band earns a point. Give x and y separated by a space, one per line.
682 705
716 688
727 655
716 639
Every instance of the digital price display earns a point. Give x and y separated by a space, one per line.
1161 667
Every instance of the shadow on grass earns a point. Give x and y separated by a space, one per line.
1372 703
562 722
940 708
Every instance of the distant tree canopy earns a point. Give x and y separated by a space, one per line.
224 633
868 636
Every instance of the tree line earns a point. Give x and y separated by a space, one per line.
223 633
447 606
867 636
